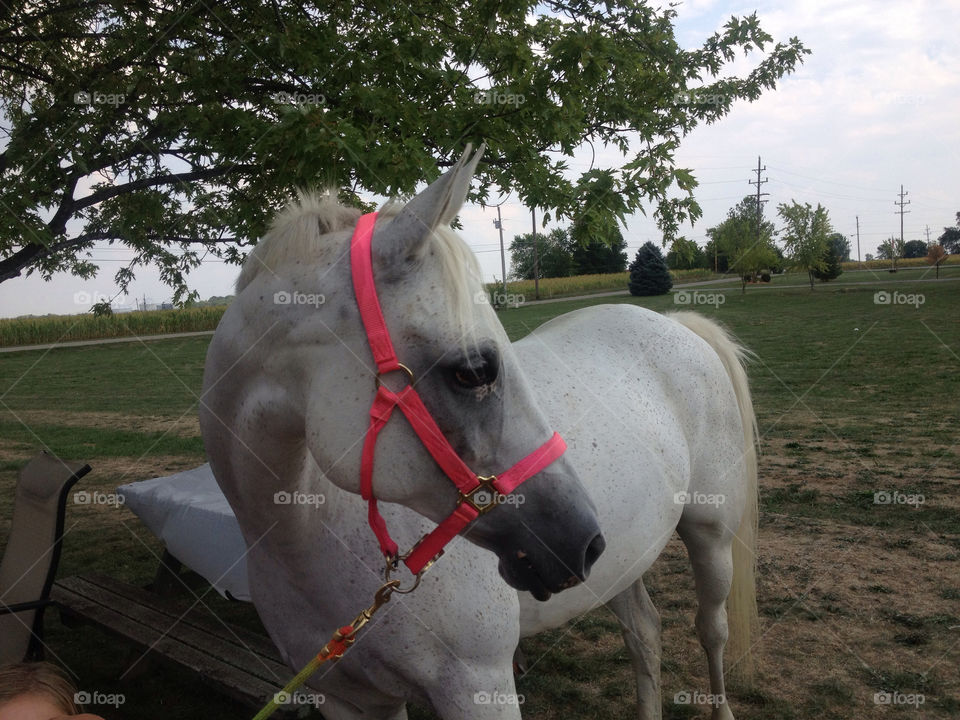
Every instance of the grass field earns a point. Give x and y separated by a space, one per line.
856 598
65 328
520 291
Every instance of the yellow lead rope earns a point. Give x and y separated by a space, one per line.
301 677
342 639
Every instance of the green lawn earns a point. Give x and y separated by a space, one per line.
852 397
849 277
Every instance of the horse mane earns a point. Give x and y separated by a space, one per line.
299 232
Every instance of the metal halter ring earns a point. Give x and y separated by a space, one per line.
395 584
401 367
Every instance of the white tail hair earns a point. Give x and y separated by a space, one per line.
742 617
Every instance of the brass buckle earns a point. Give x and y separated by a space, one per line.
476 497
401 367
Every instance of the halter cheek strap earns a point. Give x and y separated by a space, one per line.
471 487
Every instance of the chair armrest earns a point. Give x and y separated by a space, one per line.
24 606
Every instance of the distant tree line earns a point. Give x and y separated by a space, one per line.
564 252
743 243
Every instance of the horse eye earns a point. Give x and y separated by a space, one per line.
475 376
472 377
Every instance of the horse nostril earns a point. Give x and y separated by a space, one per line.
593 551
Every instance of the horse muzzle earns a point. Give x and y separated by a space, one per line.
547 543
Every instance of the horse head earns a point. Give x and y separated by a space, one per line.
462 366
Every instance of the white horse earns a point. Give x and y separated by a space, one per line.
655 411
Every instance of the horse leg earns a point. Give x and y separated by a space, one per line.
709 548
640 623
478 694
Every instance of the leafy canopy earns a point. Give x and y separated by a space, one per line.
951 238
891 249
914 249
177 129
554 255
806 235
839 246
685 254
597 254
745 239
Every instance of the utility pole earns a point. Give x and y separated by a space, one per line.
503 258
758 182
927 231
901 212
858 243
536 257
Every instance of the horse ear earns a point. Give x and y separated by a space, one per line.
435 206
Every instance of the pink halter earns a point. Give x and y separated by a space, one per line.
430 546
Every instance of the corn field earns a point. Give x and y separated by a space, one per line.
63 328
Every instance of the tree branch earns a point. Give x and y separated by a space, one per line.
13 266
114 190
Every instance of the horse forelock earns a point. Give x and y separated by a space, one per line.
297 232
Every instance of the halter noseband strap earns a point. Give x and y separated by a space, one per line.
408 400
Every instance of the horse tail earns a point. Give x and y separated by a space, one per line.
742 617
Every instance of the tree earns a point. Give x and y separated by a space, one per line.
176 130
805 235
831 261
594 255
780 263
951 238
753 259
914 249
839 246
555 256
748 250
891 249
715 255
648 272
685 254
936 255
868 257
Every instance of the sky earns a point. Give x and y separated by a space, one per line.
875 106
